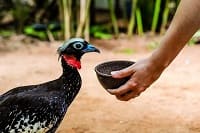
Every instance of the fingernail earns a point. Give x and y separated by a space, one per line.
114 72
109 90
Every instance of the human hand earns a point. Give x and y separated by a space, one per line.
142 74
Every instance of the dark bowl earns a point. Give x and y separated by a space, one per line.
103 72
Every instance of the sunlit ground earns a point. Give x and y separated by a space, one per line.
170 105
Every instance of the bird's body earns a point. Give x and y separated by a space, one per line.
39 108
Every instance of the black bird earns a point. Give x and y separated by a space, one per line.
41 108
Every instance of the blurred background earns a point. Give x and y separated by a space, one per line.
52 20
32 30
105 19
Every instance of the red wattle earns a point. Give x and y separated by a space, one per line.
72 61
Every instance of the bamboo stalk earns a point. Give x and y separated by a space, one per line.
87 21
87 28
50 35
69 4
84 11
132 19
139 22
64 4
66 12
113 17
156 15
61 14
165 17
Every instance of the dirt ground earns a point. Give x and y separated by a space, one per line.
170 105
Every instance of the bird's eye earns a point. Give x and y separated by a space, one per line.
78 46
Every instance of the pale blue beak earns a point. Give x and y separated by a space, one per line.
90 48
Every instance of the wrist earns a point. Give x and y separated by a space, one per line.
159 62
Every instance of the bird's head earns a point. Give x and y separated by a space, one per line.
72 50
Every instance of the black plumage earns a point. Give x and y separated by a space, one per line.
41 108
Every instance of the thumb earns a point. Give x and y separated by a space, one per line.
122 73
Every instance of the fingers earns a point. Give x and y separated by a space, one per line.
123 89
134 86
124 93
127 96
131 94
122 73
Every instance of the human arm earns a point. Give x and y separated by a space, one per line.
144 72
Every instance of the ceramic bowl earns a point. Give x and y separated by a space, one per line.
103 72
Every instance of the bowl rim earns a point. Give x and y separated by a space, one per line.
107 75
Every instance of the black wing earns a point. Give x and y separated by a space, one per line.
35 109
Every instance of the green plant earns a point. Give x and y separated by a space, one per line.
75 15
101 31
165 16
127 51
132 19
156 15
43 31
152 45
195 38
29 30
139 22
20 13
6 33
113 17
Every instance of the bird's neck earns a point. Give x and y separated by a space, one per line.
72 61
69 66
71 81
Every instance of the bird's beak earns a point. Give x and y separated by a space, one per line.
90 48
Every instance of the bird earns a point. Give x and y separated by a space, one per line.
41 108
